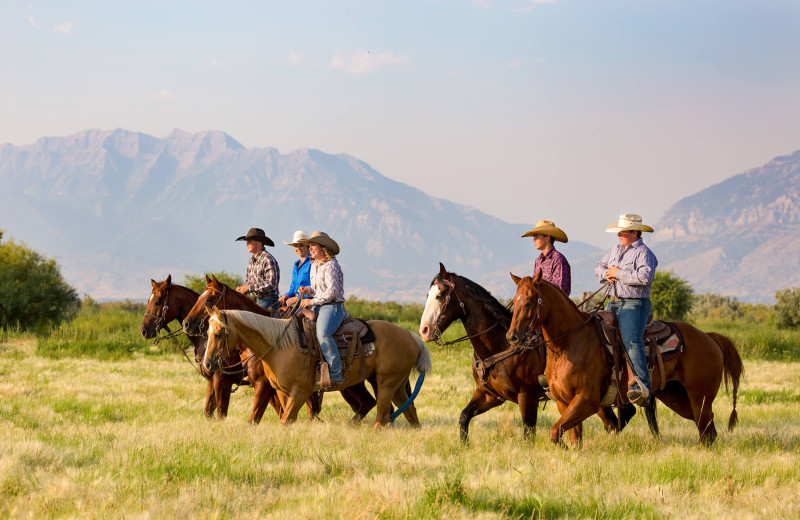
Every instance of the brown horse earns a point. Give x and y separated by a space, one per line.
501 372
170 302
276 342
217 294
579 373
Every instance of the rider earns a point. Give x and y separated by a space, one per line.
630 268
554 266
327 299
263 274
302 268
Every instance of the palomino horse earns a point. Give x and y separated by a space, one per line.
172 302
220 295
276 342
501 372
579 373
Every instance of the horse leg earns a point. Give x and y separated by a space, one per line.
410 413
529 409
222 391
291 407
211 401
480 403
360 400
387 387
609 418
314 405
572 415
704 416
264 393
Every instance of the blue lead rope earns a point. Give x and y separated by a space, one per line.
400 410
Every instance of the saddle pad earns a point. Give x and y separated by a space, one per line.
350 328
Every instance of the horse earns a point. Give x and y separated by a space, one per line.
220 295
276 343
170 302
579 373
501 372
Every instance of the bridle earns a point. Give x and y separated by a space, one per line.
534 340
161 320
437 333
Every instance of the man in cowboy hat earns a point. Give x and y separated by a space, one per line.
554 266
263 274
301 270
629 269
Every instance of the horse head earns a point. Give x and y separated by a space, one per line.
529 309
442 307
160 309
195 322
217 341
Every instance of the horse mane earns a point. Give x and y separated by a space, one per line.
496 309
268 328
191 291
249 304
561 293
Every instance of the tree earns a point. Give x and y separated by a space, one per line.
197 282
787 308
32 291
671 296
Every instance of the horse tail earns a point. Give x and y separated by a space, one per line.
732 370
423 363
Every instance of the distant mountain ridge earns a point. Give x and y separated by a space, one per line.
118 208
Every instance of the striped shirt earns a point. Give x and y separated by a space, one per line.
327 282
637 268
263 274
555 269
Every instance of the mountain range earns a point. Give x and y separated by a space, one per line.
117 208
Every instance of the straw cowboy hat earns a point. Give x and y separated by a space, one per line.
257 234
298 237
628 222
545 227
322 238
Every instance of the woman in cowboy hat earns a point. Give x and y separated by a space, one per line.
327 299
554 266
301 272
629 269
263 273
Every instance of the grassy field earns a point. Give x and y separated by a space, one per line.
122 435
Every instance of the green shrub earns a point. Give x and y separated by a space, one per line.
197 282
671 296
787 308
33 294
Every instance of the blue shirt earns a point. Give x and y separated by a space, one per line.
301 276
637 268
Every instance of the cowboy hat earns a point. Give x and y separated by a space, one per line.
297 237
257 234
322 238
628 222
545 227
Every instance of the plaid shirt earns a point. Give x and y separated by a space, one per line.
555 269
327 282
263 274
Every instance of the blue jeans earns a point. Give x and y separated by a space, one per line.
632 315
266 301
329 317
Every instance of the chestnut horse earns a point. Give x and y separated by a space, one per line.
579 373
276 342
220 295
170 302
501 372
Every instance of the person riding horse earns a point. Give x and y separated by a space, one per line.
554 266
263 273
630 268
301 271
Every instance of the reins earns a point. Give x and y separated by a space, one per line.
437 333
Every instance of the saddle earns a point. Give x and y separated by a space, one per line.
662 339
354 338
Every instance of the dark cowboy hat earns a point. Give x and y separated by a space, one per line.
257 234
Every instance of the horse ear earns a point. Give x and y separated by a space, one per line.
169 279
153 282
516 279
208 280
538 276
442 270
215 312
214 278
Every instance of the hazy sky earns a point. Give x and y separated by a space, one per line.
568 110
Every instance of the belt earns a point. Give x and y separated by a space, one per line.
618 299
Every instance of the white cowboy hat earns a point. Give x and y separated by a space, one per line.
297 237
628 222
546 227
322 238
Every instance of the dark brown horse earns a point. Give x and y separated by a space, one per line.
217 294
579 373
501 373
170 302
